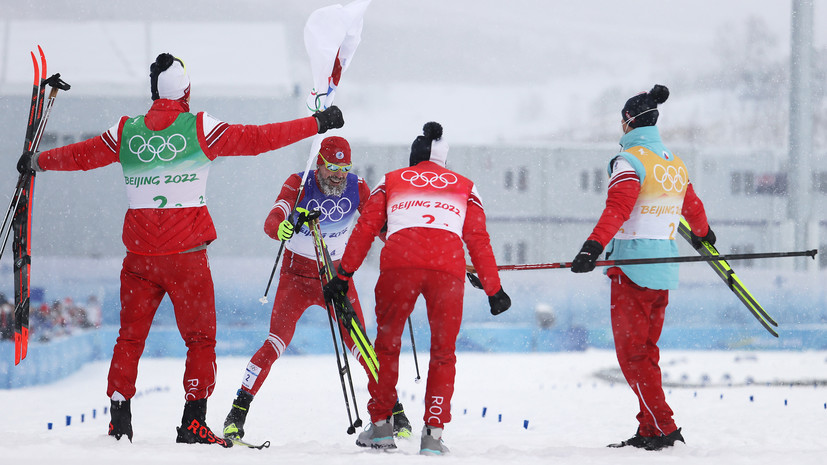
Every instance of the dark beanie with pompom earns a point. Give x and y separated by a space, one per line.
642 109
421 146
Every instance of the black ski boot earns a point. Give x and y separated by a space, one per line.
664 441
120 423
234 423
194 429
635 441
401 425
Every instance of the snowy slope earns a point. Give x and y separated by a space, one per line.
571 413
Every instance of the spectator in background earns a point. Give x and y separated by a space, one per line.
94 311
41 324
6 318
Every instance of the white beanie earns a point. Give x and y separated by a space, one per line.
439 152
168 78
429 146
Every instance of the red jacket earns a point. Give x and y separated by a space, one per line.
168 231
425 247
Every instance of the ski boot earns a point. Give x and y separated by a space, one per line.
194 429
401 425
664 441
637 441
120 423
431 443
234 423
378 435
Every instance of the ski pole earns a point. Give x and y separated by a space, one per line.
303 218
325 268
656 260
413 346
342 371
263 299
15 201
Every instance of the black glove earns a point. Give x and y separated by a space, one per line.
24 164
330 118
697 241
474 280
499 302
338 285
589 253
334 287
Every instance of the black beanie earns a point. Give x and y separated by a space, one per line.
421 146
642 109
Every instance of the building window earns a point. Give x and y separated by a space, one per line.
820 182
750 183
592 180
522 179
744 248
515 253
735 184
369 174
518 180
597 180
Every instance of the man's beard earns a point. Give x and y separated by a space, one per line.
330 189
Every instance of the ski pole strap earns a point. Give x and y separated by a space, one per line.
342 273
655 260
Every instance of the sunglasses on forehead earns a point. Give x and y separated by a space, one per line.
334 167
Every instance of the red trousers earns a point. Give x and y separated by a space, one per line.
637 321
144 282
396 294
294 295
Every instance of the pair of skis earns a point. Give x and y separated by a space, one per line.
20 207
727 274
341 307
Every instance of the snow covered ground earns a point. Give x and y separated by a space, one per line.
754 407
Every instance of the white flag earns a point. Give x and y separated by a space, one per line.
331 36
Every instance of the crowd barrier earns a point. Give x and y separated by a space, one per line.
49 362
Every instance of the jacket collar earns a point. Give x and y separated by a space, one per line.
645 135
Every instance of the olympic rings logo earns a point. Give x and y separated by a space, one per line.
333 210
426 178
157 146
671 178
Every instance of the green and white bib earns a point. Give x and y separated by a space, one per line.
164 169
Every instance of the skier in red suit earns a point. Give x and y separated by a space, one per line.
166 155
649 190
429 211
339 195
